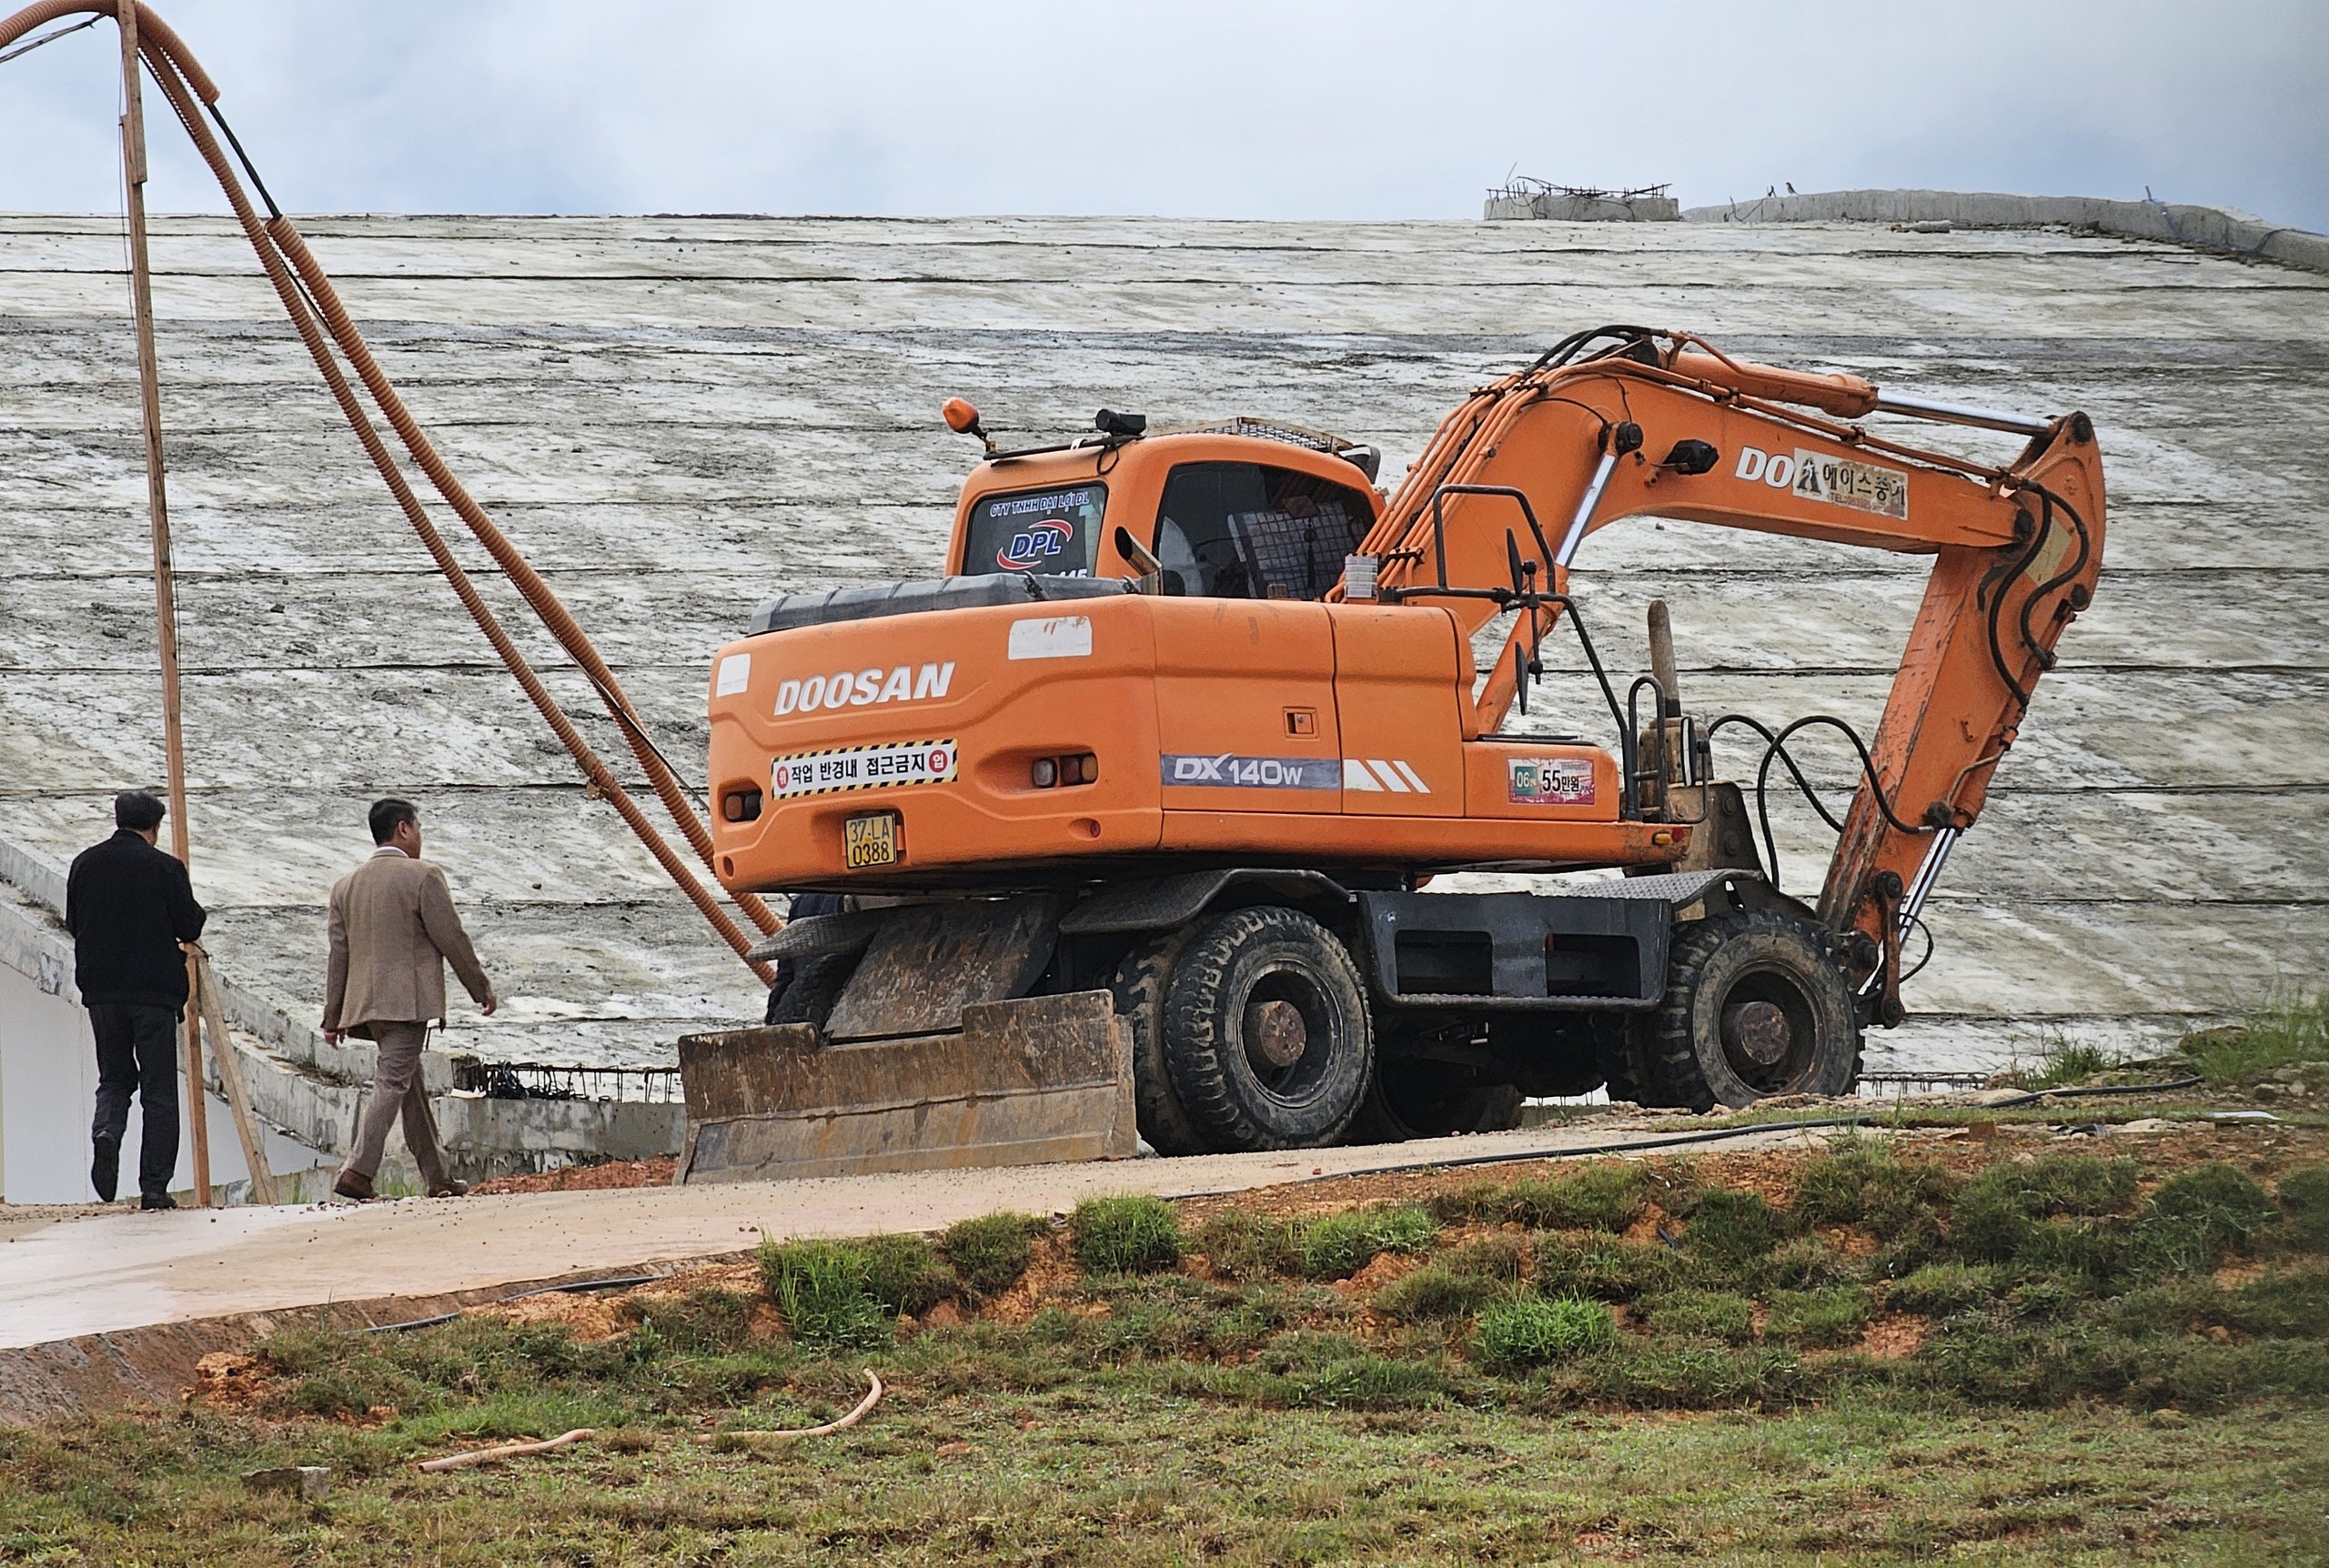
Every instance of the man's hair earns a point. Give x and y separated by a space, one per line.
386 813
138 811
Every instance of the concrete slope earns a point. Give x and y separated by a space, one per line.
675 417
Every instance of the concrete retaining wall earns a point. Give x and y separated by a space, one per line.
311 1089
1561 207
2204 228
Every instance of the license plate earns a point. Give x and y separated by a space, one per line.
871 840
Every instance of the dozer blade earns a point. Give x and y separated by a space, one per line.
1026 1083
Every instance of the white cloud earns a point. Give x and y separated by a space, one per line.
1253 110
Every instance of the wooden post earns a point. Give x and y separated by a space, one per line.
230 1079
165 615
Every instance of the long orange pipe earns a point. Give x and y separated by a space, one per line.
181 77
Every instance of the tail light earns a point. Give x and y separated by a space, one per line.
1077 768
740 805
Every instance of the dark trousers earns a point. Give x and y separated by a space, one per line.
138 1054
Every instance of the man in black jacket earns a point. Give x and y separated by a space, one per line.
129 906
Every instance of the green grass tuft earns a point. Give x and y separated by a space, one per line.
1530 1331
1834 1316
990 1253
1609 1196
2305 1198
1734 1227
905 1274
1703 1315
1339 1245
2221 1206
1610 1271
1860 1182
1940 1289
823 1291
1439 1290
2281 1036
1127 1235
2061 1062
1248 1246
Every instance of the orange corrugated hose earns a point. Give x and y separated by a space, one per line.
280 251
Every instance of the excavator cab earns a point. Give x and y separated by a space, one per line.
1137 806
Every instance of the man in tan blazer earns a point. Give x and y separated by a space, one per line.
393 931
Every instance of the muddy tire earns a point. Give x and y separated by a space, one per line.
1410 1100
809 992
1139 987
1756 1004
1266 1036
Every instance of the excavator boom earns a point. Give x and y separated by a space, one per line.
1646 425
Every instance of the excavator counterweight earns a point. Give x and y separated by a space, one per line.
1194 722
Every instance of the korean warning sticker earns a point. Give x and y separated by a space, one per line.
864 768
1550 780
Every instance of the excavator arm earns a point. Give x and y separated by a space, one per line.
1628 422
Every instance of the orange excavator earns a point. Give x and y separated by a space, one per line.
1196 715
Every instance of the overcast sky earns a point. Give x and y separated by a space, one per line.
1293 110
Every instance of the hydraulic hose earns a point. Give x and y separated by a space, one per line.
181 79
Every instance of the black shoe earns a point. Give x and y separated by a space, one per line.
157 1200
105 1168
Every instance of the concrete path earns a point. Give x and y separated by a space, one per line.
113 1271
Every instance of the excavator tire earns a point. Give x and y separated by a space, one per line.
1266 1035
1756 1004
1139 987
1412 1100
809 992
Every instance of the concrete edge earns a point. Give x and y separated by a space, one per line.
2214 228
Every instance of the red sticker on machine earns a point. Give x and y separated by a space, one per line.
1551 780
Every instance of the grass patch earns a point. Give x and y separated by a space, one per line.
1733 1227
1610 1271
1702 1316
2304 1195
2283 1035
990 1253
823 1290
2059 1063
1609 1196
1126 1235
1818 1319
1939 1289
1530 1331
1339 1245
1247 1246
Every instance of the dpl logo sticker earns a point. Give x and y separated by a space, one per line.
1031 547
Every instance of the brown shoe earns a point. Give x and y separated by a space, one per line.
451 1189
354 1186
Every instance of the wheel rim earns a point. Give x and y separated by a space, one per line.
1286 1030
1769 1027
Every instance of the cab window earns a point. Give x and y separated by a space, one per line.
1055 531
1245 530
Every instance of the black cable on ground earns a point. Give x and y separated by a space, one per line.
2034 1096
